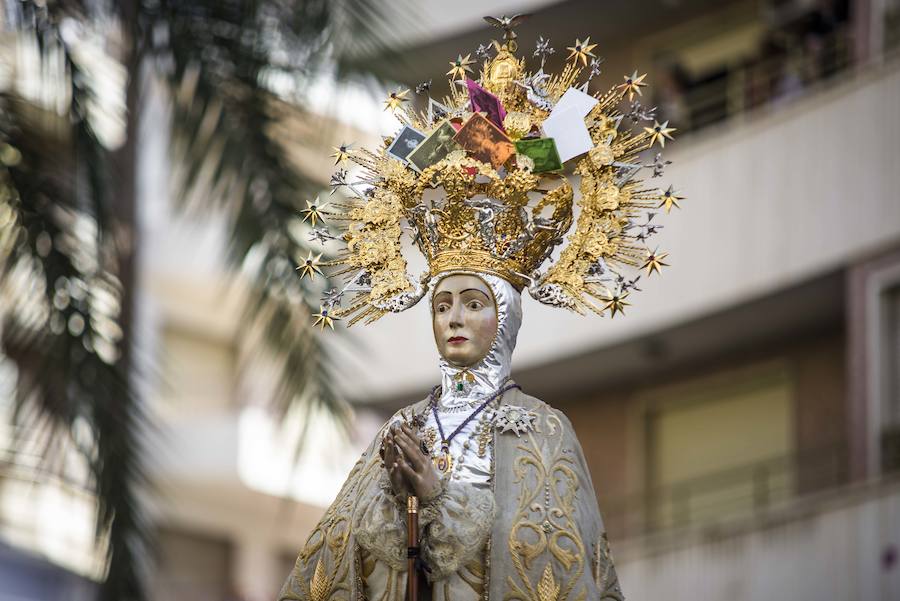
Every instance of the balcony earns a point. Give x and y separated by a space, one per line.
840 544
713 501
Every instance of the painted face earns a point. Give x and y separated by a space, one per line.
464 319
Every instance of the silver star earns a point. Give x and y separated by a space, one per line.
515 419
338 179
320 235
543 49
535 82
423 87
625 172
332 297
595 68
648 228
658 165
626 285
483 51
640 113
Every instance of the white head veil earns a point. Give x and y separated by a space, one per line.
493 370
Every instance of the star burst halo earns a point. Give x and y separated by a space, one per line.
504 199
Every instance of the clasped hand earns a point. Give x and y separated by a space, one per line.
409 468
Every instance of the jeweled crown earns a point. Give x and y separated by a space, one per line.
478 181
487 223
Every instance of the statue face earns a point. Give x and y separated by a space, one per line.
464 319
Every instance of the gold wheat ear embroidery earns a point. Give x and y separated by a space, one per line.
320 585
548 590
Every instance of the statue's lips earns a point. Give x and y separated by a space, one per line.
457 340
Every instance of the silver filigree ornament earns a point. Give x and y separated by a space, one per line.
321 235
543 49
404 300
423 88
658 165
487 209
332 297
553 295
431 224
338 179
536 90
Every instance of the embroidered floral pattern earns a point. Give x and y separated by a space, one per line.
544 529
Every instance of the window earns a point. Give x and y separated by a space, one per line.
719 446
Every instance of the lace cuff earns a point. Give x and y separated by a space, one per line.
381 525
456 525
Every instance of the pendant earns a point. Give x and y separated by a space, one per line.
443 462
462 378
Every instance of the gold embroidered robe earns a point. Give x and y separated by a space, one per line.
546 543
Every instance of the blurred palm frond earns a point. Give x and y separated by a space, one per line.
64 305
68 70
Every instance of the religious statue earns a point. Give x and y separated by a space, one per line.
503 501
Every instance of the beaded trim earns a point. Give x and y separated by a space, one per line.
486 581
467 406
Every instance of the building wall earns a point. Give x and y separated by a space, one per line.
803 383
192 567
601 424
840 548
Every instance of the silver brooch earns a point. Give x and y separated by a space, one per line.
515 419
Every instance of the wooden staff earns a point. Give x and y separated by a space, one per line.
412 548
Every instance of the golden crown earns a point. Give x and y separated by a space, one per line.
479 183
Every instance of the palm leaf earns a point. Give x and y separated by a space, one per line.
71 342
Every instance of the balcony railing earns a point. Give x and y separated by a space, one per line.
725 496
774 77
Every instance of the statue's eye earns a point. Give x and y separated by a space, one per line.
475 305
